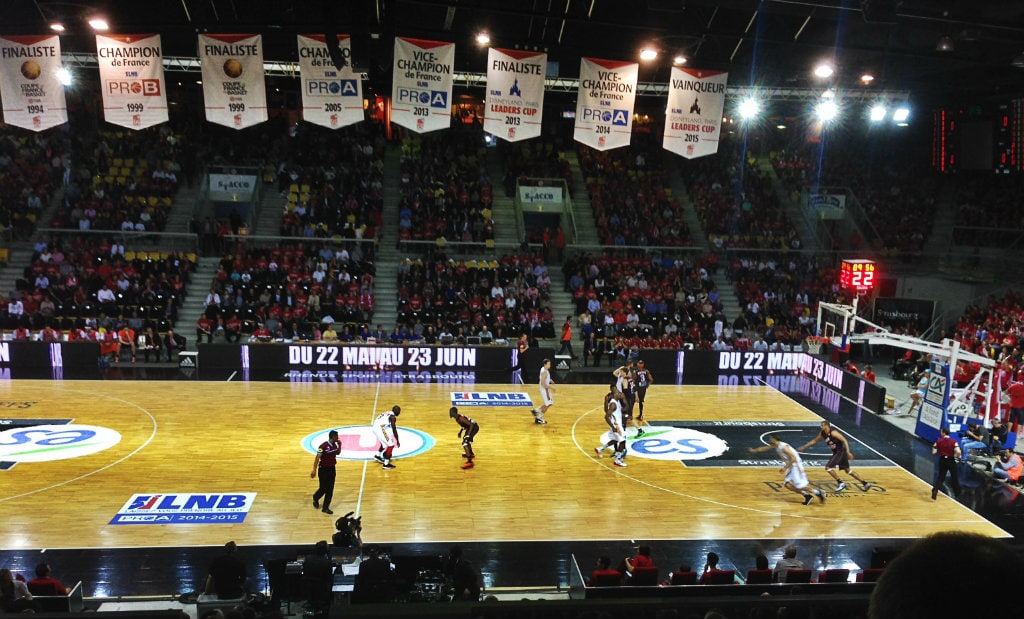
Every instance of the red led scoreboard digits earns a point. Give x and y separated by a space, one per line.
858 275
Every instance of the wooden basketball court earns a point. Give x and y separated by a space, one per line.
530 483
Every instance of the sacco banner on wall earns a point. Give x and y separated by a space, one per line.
515 93
693 118
604 103
132 79
332 97
233 82
422 89
32 95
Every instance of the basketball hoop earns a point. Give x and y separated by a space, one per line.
815 342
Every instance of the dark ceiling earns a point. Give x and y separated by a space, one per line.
766 43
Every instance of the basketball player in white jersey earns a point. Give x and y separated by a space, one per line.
385 428
616 431
795 476
547 391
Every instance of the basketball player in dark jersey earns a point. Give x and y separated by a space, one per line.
841 456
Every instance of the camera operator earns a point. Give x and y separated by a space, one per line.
349 531
464 577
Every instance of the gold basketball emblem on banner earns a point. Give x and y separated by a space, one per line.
233 67
31 69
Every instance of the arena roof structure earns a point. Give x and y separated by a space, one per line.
938 50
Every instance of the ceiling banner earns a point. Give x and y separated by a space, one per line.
331 97
32 95
693 118
132 79
515 93
233 84
604 103
422 90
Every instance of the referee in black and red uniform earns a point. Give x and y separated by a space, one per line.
948 451
324 467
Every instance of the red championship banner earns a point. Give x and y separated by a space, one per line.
515 93
331 96
693 119
132 79
422 90
32 95
233 82
604 103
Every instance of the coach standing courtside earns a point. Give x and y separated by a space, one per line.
325 467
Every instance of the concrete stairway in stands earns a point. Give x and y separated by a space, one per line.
385 283
194 305
804 225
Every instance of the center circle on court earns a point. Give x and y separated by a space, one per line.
359 443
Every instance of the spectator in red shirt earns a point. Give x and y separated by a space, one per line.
710 569
642 559
44 584
869 373
603 570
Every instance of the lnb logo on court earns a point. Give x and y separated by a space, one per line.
359 443
45 443
665 443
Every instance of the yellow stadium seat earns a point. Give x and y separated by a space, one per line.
118 161
129 255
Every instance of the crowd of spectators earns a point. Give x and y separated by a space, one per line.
287 289
986 200
630 194
538 158
736 203
31 167
439 296
74 283
444 188
333 181
898 196
125 180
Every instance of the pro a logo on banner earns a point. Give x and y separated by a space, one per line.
422 90
515 93
332 97
31 92
132 78
233 84
693 119
604 108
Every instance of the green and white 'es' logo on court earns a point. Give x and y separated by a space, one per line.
45 443
668 443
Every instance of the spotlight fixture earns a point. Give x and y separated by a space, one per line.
900 114
748 109
483 38
57 27
679 59
824 70
99 24
64 76
648 54
945 44
827 110
1018 61
877 113
867 78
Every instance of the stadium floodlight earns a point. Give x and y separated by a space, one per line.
99 24
824 70
679 60
826 110
482 38
877 113
64 76
901 114
648 53
749 108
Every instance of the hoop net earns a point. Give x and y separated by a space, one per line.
815 343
